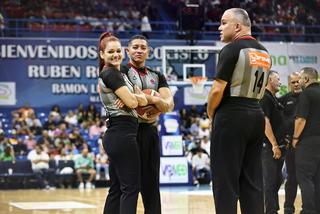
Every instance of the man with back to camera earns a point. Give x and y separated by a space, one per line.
274 145
306 140
237 118
148 136
290 104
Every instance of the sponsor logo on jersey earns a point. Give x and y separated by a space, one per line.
259 59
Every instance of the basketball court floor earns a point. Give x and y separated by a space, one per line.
175 200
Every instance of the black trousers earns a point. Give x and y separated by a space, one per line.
148 141
291 184
308 174
45 177
120 143
272 179
236 142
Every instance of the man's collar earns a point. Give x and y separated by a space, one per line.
142 69
313 84
245 36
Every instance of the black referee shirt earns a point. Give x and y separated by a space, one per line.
309 109
274 111
245 65
290 104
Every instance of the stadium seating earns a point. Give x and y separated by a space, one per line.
17 174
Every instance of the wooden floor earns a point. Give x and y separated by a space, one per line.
173 202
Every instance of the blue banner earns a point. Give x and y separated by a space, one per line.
45 72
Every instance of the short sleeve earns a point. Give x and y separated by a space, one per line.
228 58
77 163
162 81
30 156
45 156
303 105
91 163
266 105
112 79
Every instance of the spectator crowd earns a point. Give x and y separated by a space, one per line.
42 137
288 17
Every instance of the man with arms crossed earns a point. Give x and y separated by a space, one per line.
290 103
148 136
237 119
306 140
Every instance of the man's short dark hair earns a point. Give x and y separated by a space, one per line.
272 72
312 73
142 37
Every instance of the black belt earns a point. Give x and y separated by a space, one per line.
120 118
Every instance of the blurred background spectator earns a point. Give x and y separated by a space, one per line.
288 17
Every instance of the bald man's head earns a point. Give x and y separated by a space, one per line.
295 83
312 73
273 82
295 74
241 16
235 23
309 75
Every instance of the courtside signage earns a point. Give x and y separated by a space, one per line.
173 170
172 145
